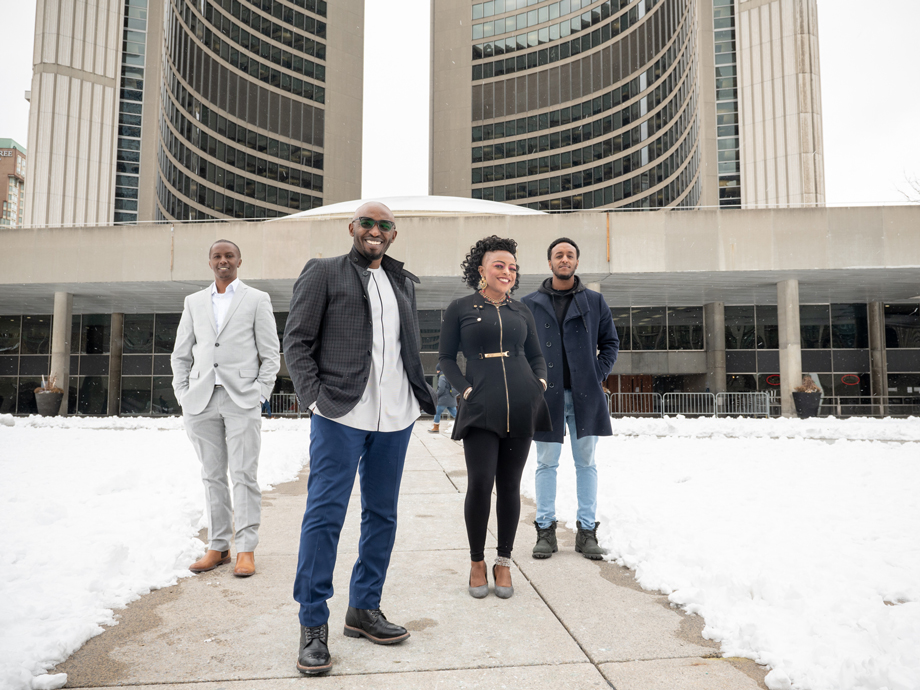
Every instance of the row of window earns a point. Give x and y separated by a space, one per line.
598 104
267 168
495 7
131 97
245 61
729 150
596 128
310 134
647 48
749 327
557 50
287 16
566 27
636 186
599 151
233 207
252 43
278 9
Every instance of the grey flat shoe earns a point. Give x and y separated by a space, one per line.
502 592
479 592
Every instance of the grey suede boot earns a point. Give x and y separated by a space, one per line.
586 542
546 541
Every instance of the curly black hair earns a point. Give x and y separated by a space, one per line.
470 266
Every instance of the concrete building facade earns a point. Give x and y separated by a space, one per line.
12 193
634 104
177 110
729 301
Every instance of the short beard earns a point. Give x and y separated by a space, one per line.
563 277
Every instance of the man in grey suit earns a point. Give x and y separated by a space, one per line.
224 363
352 345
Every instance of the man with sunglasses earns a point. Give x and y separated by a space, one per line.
352 345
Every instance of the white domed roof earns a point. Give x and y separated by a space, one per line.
403 206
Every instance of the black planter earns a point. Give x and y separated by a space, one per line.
806 404
48 403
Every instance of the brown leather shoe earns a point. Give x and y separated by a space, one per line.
211 560
245 564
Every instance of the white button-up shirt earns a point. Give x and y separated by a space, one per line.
221 304
388 403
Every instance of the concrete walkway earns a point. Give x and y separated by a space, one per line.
572 623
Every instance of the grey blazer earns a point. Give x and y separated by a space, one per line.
245 350
329 333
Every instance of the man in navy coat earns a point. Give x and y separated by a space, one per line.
580 344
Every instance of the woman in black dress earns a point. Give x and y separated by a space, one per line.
501 402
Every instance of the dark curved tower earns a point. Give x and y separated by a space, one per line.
572 104
256 120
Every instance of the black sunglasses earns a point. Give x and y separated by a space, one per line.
368 223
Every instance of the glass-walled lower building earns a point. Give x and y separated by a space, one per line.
834 339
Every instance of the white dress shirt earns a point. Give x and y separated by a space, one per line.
388 403
221 304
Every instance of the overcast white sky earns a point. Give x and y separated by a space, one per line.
870 101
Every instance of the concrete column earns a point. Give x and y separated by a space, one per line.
116 348
878 357
61 327
714 326
594 286
790 342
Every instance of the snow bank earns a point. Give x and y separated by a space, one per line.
800 554
98 512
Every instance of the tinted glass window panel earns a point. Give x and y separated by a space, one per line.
138 334
429 322
135 394
740 383
621 322
92 397
685 328
8 394
95 335
849 326
902 325
739 328
10 329
815 322
36 335
903 389
648 328
767 326
164 398
165 329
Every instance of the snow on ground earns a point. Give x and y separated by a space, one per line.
98 512
801 554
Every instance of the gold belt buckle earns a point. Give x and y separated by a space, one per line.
495 354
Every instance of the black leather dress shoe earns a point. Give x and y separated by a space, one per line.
313 658
372 624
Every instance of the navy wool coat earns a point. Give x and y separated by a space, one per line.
591 347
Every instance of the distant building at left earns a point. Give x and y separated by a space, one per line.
12 194
146 110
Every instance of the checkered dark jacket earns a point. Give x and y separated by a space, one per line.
329 333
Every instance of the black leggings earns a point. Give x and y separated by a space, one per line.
491 460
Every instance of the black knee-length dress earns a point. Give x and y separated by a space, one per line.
504 365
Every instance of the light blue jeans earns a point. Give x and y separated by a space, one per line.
440 410
585 473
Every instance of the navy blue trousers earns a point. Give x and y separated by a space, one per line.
336 453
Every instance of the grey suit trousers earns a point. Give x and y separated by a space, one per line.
228 437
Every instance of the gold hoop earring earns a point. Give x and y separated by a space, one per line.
482 282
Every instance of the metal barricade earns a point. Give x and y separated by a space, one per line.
742 404
634 404
689 404
285 405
